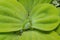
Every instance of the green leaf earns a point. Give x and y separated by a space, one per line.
34 35
44 17
8 37
58 28
59 13
13 16
29 4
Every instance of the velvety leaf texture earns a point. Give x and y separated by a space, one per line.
33 35
29 20
12 16
44 17
29 4
58 28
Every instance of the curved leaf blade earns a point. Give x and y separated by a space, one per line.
58 28
8 37
44 17
29 4
12 16
34 35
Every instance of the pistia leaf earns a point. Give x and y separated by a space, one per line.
44 17
28 20
14 6
8 37
29 4
41 2
13 16
59 12
58 28
34 35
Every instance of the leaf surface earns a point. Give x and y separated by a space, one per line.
12 16
29 4
34 35
44 17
